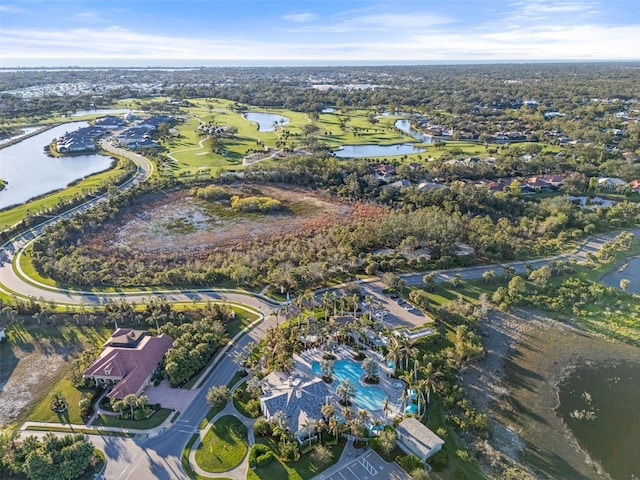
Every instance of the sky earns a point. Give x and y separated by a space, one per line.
314 32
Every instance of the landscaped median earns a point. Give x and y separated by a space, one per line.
224 446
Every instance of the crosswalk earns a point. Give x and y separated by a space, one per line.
184 427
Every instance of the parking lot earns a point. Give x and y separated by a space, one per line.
365 467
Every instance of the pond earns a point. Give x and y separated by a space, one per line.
592 202
600 406
267 122
405 126
101 111
29 172
629 271
361 151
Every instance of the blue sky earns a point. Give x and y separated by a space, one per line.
318 32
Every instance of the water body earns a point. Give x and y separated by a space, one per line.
361 151
600 404
25 132
629 271
29 172
101 111
405 126
266 121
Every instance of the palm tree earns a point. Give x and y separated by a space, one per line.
130 401
385 406
319 426
327 369
345 391
334 426
430 375
309 425
394 352
328 411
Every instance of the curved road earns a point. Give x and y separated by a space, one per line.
159 457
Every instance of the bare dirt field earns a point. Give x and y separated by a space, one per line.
32 360
179 222
528 355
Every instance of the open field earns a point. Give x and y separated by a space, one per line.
23 378
180 222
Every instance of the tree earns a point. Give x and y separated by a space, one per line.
218 396
328 411
130 401
489 276
254 387
540 276
321 455
58 402
328 367
370 368
346 390
334 426
429 281
388 439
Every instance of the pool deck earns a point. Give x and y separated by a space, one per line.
393 387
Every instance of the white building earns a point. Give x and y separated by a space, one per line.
415 438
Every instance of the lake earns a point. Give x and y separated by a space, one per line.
266 121
29 172
630 271
600 405
361 151
405 126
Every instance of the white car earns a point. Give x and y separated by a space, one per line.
409 308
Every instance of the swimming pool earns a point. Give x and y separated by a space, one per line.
370 398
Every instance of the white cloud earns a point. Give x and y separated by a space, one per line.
300 17
534 42
11 9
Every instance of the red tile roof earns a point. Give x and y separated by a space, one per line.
131 366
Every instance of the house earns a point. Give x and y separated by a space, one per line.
299 398
635 186
415 438
384 172
610 183
110 121
129 359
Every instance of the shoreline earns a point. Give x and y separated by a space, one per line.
528 356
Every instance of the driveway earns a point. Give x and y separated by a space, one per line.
175 398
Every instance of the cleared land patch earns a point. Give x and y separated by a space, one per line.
34 358
178 221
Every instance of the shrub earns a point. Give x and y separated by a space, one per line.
439 461
212 192
255 204
410 463
260 456
262 428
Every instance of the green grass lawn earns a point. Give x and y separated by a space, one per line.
224 446
153 421
303 469
43 412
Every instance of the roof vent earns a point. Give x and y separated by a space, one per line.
298 394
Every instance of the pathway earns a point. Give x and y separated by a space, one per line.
239 471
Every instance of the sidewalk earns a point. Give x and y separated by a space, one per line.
76 428
239 471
